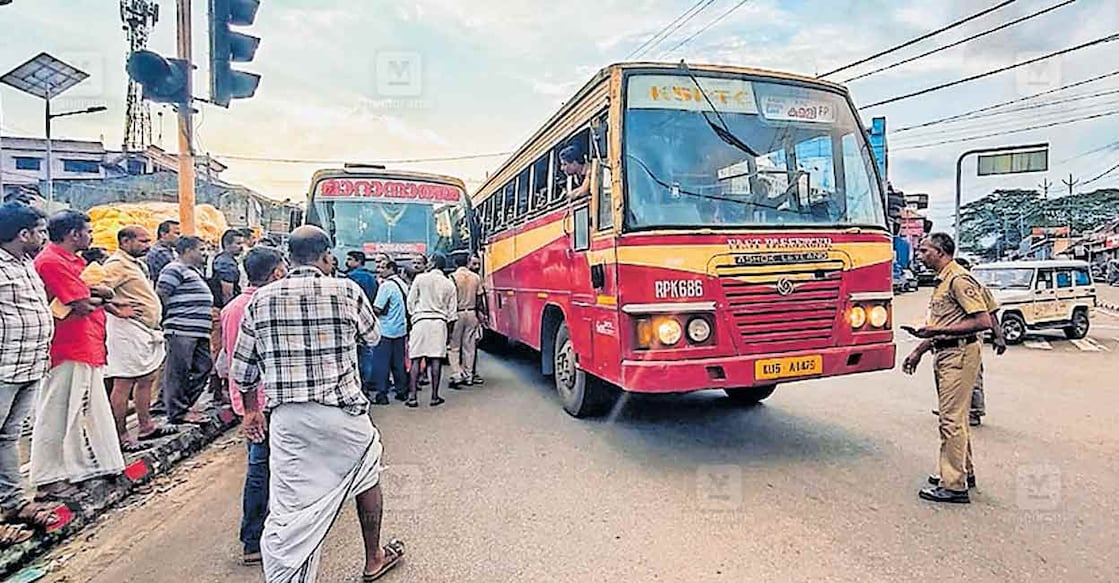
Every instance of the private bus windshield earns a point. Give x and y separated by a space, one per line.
360 216
808 163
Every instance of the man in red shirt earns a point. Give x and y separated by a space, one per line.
74 437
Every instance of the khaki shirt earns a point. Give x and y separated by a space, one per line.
957 296
128 276
989 299
469 286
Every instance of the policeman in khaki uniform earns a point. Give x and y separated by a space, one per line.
958 312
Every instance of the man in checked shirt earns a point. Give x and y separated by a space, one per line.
298 340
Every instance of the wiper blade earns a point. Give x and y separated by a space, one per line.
722 130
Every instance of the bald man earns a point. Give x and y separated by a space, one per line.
134 336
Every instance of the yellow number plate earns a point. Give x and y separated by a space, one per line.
793 366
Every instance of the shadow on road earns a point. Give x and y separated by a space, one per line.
702 427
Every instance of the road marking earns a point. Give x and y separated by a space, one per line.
1038 344
1088 345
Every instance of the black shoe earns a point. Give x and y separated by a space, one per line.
456 385
381 399
477 380
935 480
939 494
974 421
402 396
936 412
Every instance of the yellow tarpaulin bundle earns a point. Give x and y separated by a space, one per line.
110 218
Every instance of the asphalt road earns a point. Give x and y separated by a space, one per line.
817 484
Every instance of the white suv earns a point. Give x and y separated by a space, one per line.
1036 295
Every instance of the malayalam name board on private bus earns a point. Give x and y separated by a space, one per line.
389 190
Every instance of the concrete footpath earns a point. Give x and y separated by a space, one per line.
100 496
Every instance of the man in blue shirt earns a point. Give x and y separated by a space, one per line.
367 281
388 354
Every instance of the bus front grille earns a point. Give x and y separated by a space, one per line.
768 321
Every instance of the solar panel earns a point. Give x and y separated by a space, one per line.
44 75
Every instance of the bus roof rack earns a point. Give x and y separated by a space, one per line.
361 165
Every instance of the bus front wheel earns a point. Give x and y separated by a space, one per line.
582 394
749 395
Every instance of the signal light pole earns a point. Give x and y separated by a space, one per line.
186 129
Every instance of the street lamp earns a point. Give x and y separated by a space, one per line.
45 76
1003 160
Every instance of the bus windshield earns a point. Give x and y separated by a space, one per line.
364 215
794 156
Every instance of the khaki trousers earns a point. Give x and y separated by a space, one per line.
464 346
956 370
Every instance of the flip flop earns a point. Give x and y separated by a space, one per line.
37 514
69 492
394 551
159 432
412 403
14 534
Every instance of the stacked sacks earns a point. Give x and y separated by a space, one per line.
108 219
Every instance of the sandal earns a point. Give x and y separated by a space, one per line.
14 534
67 492
159 432
394 551
412 403
436 401
45 516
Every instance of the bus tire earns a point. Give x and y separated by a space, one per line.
750 395
582 394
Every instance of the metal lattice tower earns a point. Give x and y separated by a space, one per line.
138 16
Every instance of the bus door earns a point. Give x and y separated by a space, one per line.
606 328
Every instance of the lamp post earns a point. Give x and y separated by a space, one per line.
1009 151
46 77
48 118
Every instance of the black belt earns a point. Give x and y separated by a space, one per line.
954 343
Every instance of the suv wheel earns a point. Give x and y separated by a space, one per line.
1079 327
1013 328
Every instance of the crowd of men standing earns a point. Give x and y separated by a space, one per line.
85 338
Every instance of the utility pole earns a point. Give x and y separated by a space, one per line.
1070 183
1045 184
186 129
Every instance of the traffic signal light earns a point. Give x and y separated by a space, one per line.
229 46
163 80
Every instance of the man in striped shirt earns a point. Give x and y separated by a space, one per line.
187 302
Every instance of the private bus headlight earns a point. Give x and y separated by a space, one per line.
857 317
669 332
879 315
699 330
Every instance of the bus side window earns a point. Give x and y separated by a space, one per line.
540 184
522 194
605 218
559 180
510 205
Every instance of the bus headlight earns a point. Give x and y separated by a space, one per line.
857 317
879 315
699 330
669 331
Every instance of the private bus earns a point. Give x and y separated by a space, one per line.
399 214
676 228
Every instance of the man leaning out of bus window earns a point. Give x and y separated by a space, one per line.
573 162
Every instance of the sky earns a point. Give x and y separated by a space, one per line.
487 73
